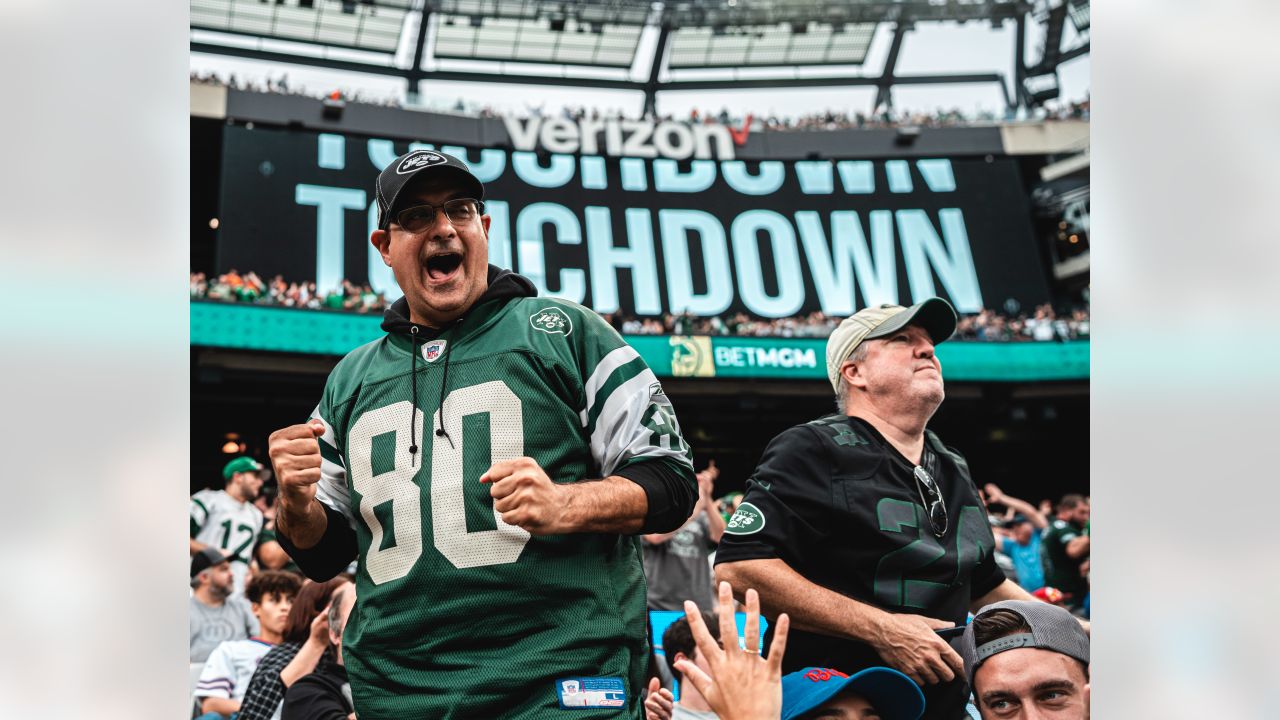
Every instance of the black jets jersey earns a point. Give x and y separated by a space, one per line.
841 506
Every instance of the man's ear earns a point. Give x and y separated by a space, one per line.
381 239
853 376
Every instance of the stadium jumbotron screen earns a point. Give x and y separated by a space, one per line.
654 236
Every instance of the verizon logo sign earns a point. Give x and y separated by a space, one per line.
627 138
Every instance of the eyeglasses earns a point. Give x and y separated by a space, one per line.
420 217
938 520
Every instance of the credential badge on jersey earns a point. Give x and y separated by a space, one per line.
551 321
603 692
433 350
746 520
420 159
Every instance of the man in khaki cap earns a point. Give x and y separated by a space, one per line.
862 526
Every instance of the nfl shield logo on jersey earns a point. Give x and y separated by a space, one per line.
433 350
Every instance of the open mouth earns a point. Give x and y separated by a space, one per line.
442 267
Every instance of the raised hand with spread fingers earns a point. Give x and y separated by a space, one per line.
742 685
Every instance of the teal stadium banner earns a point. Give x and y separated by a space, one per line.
250 327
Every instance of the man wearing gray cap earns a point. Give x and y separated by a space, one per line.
1027 659
861 525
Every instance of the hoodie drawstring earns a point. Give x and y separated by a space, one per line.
444 390
413 410
413 401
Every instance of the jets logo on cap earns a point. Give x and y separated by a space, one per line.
419 160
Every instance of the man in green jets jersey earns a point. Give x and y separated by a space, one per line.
489 462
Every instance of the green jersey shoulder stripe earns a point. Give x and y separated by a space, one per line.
603 370
622 374
631 422
332 488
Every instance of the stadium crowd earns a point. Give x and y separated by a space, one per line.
1044 323
831 119
250 648
281 86
233 286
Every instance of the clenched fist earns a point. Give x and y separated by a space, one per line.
909 643
525 497
295 457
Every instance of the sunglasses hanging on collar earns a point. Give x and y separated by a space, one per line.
931 496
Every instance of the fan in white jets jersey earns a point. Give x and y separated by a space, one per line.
227 519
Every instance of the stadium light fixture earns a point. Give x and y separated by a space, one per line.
232 444
907 135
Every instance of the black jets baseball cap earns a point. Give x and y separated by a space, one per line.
413 164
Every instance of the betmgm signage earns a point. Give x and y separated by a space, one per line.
647 236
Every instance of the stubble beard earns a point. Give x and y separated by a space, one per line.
221 592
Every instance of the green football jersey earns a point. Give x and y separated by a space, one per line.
460 615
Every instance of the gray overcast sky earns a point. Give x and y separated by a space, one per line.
930 48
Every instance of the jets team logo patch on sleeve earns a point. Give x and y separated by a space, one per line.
551 321
600 692
746 520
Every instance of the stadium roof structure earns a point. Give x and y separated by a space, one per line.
600 43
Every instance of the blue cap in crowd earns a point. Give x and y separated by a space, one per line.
894 695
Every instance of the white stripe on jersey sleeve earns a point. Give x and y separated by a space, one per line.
215 676
332 488
604 369
200 508
619 434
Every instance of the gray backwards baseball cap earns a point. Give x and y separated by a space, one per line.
415 163
206 559
1052 628
935 315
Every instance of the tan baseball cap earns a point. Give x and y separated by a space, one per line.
935 315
